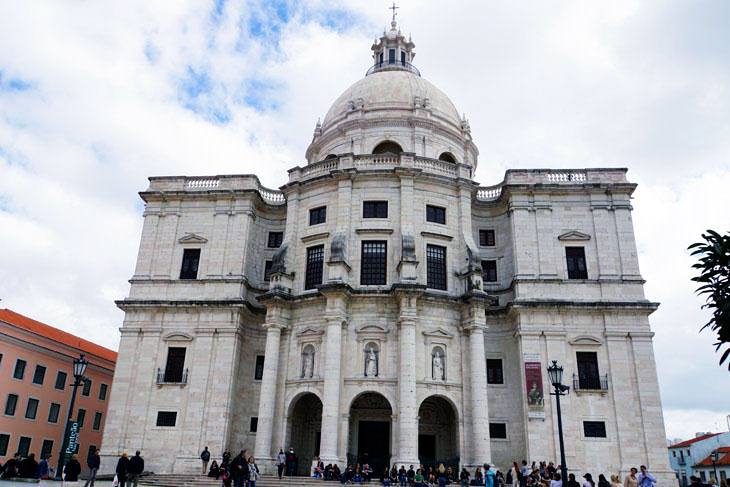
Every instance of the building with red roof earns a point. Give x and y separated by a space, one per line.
693 457
36 376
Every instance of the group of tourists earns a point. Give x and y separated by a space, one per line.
19 467
239 471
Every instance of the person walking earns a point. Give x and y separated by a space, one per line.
291 463
253 472
93 462
280 463
136 467
72 470
631 480
645 478
122 469
205 458
239 469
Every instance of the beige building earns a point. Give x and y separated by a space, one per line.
382 306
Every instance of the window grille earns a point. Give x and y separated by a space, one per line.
436 267
373 268
315 266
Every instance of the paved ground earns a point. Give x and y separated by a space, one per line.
8 483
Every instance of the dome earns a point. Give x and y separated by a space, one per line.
392 90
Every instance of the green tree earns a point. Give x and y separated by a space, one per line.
714 279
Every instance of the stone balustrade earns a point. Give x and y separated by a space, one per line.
242 182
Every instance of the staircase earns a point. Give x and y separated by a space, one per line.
191 480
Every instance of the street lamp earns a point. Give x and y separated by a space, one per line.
78 370
555 372
715 458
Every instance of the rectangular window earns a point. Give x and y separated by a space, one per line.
61 380
258 372
175 364
47 449
315 266
489 270
53 412
81 417
436 214
190 261
495 374
254 425
97 421
19 371
11 404
275 240
391 56
267 270
102 392
486 238
87 388
39 375
703 476
4 441
375 209
588 370
576 261
31 409
373 266
24 446
318 215
594 429
436 267
498 430
403 58
166 418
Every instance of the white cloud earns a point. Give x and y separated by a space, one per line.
567 84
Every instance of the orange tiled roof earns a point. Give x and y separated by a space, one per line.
693 440
33 326
723 460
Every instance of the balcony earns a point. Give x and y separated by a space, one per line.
166 378
597 384
393 65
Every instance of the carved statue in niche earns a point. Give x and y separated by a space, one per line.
308 362
438 371
371 361
278 261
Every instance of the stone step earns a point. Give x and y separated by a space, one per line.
180 480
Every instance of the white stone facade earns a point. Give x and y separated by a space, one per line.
321 390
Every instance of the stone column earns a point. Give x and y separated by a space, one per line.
407 400
474 323
276 320
335 316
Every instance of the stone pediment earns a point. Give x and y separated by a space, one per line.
438 333
177 336
310 332
584 340
192 238
574 235
371 330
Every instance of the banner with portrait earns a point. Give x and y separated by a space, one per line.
533 384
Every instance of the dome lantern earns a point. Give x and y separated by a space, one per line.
393 52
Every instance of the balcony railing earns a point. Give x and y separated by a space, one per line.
163 378
599 383
393 66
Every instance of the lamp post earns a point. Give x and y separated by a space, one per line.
555 372
78 370
715 458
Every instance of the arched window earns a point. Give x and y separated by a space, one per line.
307 362
447 156
331 156
438 364
372 359
387 146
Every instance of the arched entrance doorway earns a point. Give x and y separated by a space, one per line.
305 430
370 423
438 433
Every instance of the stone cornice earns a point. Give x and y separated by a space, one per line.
132 304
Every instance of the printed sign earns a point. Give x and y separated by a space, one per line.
72 439
533 383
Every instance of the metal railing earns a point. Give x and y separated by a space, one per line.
599 383
393 66
162 378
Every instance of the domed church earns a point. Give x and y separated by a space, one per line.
383 307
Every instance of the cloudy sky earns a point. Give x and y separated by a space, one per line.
97 96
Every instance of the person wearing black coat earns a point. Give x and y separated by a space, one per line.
11 467
122 469
72 470
28 468
136 467
239 469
